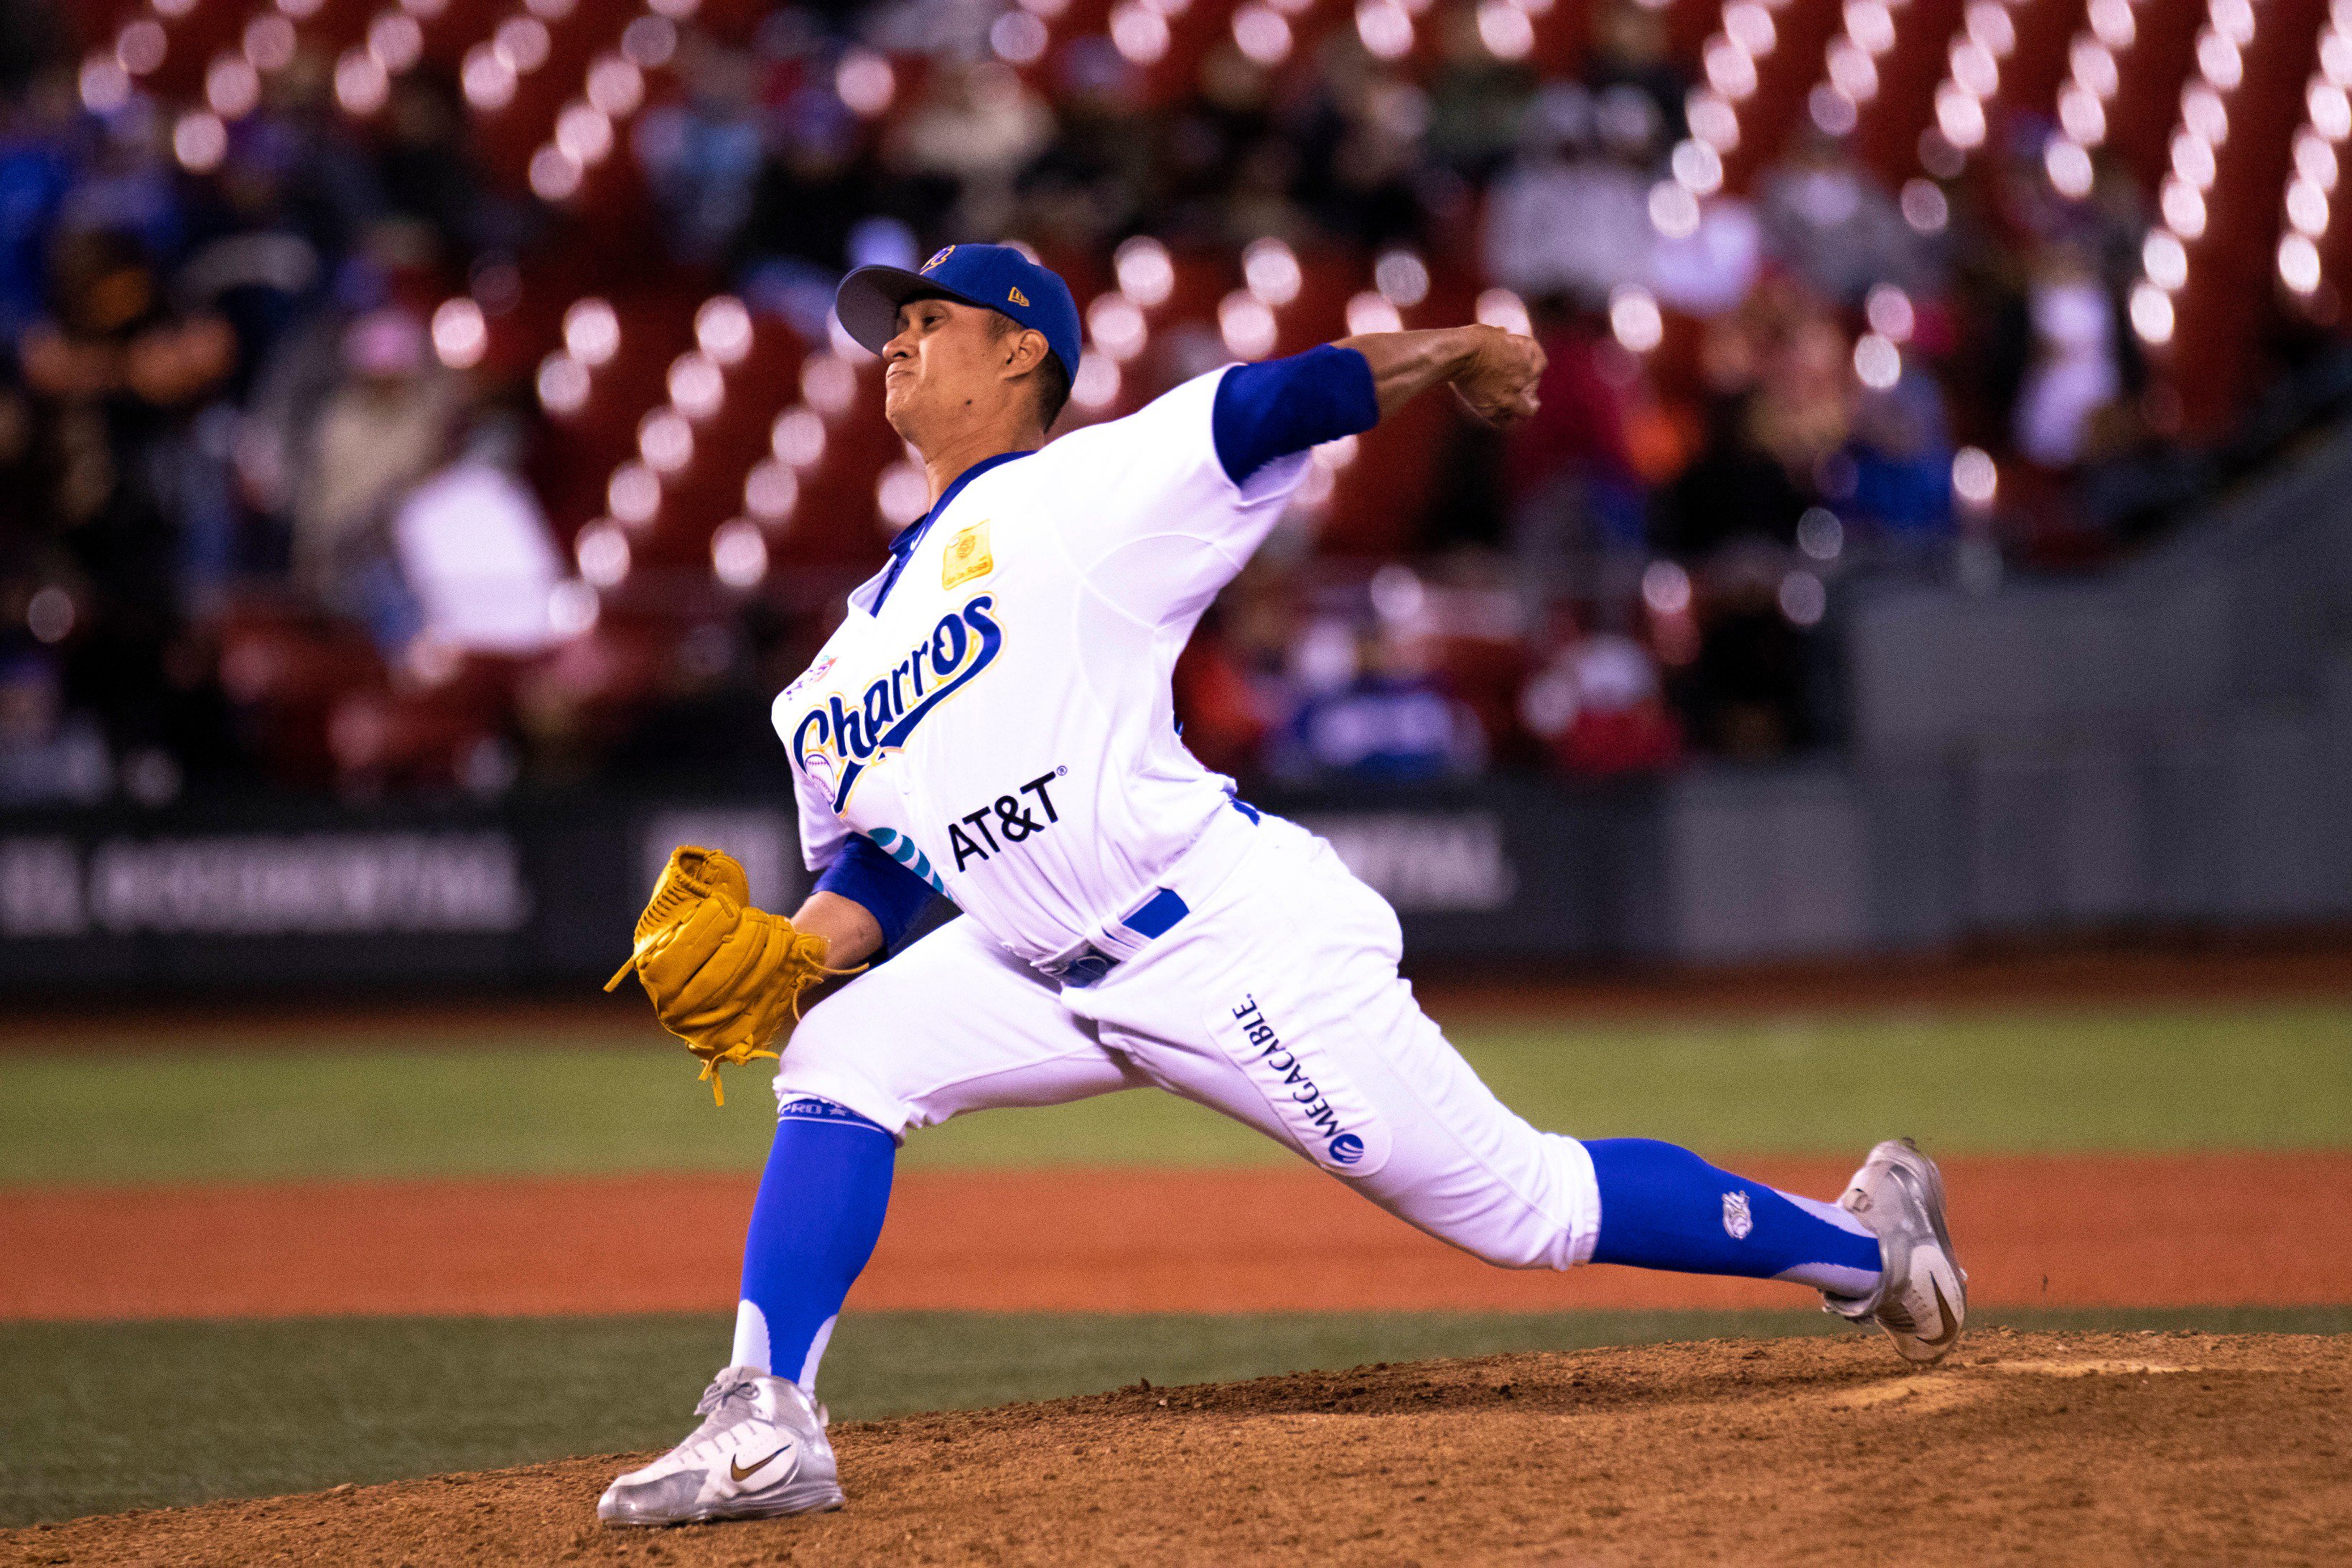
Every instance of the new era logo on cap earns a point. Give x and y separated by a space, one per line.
1017 297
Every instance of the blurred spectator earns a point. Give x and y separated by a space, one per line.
1831 223
1570 481
1630 125
474 549
112 372
1711 270
1561 219
1089 185
1900 481
425 170
1259 202
1630 50
1476 101
1361 150
36 170
810 190
47 756
125 183
975 127
1746 695
1600 711
1782 403
389 425
2117 222
2075 371
1373 712
702 156
255 267
1805 391
1732 490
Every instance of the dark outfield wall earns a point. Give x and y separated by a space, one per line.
545 890
1719 865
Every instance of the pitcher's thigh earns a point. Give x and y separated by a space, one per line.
1283 1010
953 1024
1396 1113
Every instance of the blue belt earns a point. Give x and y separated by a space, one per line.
1156 919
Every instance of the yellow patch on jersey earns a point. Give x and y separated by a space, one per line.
967 556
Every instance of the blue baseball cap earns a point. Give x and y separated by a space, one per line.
993 277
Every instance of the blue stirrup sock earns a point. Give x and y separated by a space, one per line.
1665 1207
813 1225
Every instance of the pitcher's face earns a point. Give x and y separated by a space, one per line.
944 368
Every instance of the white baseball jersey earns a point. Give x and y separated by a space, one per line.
1000 722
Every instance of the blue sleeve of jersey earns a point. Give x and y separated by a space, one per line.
1283 406
864 875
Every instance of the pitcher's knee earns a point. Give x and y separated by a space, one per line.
827 1026
1529 1240
1544 1216
829 1056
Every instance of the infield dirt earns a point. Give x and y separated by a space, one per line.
2142 1448
2196 1229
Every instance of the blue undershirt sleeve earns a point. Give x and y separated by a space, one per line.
1284 405
891 893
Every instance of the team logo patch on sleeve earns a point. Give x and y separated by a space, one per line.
967 556
810 676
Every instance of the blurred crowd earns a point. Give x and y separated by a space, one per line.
225 390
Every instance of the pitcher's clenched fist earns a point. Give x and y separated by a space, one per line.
1498 384
1493 372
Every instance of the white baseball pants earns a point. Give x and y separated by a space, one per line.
1276 1001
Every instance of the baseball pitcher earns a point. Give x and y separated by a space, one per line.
991 723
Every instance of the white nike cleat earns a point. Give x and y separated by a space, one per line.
759 1452
1922 1299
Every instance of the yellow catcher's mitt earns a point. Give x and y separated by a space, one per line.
721 974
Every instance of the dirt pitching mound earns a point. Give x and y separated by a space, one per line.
2125 1448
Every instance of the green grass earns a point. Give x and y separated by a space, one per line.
2254 1076
103 1416
99 1417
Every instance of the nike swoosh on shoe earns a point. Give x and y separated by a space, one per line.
1951 1324
741 1473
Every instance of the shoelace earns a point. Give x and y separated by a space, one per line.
712 1406
727 1385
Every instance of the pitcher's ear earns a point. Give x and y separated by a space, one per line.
1020 344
